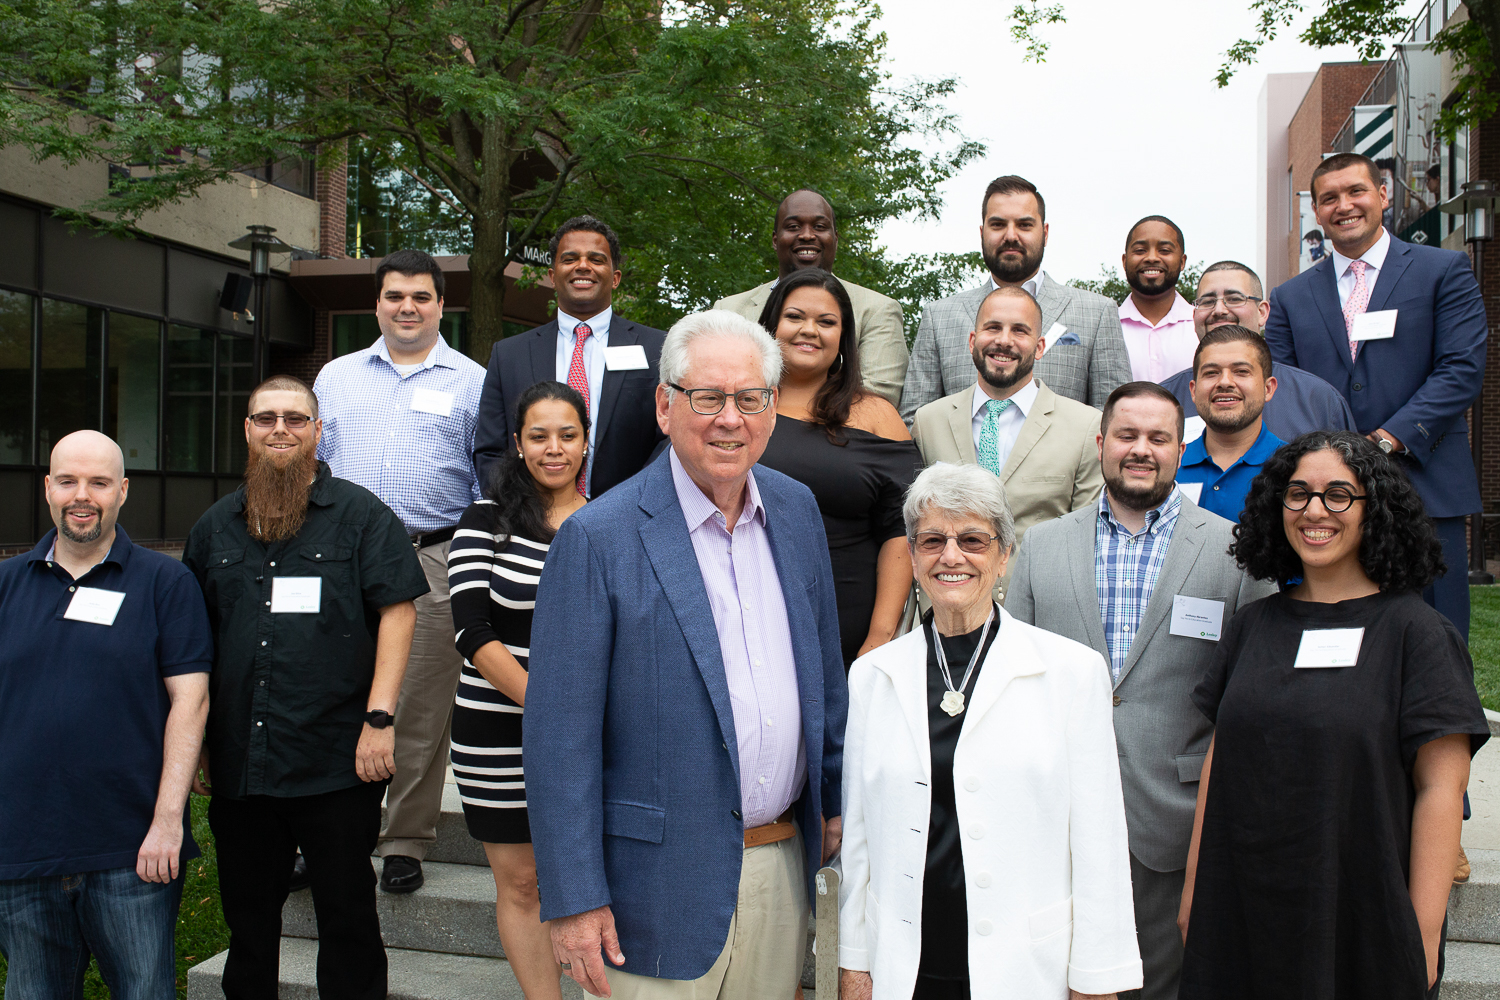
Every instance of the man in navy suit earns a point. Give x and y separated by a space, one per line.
692 605
608 359
1409 389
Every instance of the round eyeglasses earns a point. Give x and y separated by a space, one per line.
1336 499
294 421
930 543
711 401
1233 300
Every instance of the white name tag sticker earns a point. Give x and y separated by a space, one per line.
1374 326
297 595
1191 490
1192 430
625 358
1197 617
432 401
90 604
1329 647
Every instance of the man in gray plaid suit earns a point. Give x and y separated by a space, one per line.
1085 358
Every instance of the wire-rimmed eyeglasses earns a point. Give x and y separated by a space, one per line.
1233 300
711 401
294 421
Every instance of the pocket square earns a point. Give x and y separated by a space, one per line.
1068 338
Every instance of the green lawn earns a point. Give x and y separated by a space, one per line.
1484 643
200 927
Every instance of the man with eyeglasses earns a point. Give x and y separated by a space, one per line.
689 606
1229 293
309 582
1145 578
399 419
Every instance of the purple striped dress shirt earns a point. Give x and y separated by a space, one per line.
744 591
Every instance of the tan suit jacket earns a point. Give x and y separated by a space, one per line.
1053 468
879 333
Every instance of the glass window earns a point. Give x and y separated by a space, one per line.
233 399
190 400
356 331
69 377
134 387
15 378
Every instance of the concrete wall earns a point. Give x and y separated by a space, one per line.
1280 97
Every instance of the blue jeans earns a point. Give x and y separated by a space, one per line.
49 926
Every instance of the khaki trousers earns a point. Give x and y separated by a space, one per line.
424 719
762 959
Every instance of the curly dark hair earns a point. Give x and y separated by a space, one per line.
1398 545
844 385
520 509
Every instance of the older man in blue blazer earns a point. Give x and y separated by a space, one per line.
1399 330
686 703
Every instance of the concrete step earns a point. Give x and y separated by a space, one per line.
1474 906
454 845
414 975
1472 971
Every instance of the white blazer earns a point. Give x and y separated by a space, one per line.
1038 793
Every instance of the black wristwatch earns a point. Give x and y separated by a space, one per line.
380 718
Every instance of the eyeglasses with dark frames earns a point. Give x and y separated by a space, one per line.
933 542
710 401
266 420
1231 299
1336 499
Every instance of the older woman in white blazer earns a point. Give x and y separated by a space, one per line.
984 850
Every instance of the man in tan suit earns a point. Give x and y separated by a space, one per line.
1040 444
807 236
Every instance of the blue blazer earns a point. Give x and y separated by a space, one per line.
632 767
1418 384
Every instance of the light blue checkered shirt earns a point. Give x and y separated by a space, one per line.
1125 570
421 464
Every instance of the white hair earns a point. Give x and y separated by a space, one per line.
675 354
960 489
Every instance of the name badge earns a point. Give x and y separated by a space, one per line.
1191 490
1192 430
297 595
90 604
625 358
432 401
1329 647
1374 326
1197 617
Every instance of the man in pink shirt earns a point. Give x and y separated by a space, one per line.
1157 322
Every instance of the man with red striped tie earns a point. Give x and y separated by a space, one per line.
607 358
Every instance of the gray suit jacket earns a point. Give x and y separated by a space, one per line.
1162 736
1087 371
879 332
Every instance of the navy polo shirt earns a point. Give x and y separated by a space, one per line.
83 706
1224 490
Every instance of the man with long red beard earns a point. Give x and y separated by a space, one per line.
310 582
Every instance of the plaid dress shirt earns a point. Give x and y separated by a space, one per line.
1125 570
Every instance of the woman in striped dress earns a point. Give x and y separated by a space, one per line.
494 564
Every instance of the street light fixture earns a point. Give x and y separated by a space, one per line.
261 245
1477 206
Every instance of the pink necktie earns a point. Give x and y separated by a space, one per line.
579 379
1358 300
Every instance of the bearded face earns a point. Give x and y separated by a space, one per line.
278 481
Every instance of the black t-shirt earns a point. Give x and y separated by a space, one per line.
945 907
1301 887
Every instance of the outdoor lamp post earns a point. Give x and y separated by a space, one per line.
1477 206
261 245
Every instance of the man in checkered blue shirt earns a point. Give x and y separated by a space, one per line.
398 419
1144 577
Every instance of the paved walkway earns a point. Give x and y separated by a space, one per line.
1482 831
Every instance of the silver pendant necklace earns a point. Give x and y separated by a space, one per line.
953 698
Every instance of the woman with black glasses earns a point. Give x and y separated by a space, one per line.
1329 805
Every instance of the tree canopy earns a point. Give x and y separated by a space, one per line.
681 124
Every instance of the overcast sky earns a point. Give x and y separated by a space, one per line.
1123 120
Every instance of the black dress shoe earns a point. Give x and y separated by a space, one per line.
401 874
300 878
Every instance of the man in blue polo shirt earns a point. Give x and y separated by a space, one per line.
105 650
1232 383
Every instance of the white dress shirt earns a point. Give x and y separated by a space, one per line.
593 367
1009 423
1032 284
1374 259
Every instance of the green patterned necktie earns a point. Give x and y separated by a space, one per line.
989 434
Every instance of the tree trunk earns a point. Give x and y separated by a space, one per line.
487 297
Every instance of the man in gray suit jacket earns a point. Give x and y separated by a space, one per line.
1085 358
1144 577
807 236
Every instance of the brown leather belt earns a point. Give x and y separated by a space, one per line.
771 833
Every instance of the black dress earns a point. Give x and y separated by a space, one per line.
859 486
492 580
1301 888
943 971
